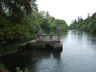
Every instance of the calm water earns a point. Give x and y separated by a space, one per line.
78 55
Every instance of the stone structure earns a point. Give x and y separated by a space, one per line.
58 29
39 31
47 37
44 41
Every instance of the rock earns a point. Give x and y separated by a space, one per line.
3 69
57 47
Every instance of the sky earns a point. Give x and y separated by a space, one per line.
68 10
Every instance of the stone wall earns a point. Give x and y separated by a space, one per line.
47 38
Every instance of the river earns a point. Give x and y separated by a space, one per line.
78 55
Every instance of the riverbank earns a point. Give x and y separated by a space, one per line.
12 47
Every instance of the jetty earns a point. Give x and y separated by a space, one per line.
44 41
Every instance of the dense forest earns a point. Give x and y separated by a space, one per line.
89 24
20 19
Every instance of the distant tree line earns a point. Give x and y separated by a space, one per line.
89 24
20 19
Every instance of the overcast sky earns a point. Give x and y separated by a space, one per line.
67 9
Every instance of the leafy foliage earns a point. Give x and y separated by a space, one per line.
88 24
49 23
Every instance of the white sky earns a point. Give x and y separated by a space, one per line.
67 9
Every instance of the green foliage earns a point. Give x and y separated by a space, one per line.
64 26
13 19
88 24
26 70
11 31
19 70
49 23
1 65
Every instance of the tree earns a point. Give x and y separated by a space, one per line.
14 9
89 24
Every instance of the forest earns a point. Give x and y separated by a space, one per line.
20 20
88 24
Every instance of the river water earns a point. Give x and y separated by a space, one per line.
78 55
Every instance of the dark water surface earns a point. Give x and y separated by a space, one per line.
78 55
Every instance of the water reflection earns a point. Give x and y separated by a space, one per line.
78 52
30 60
